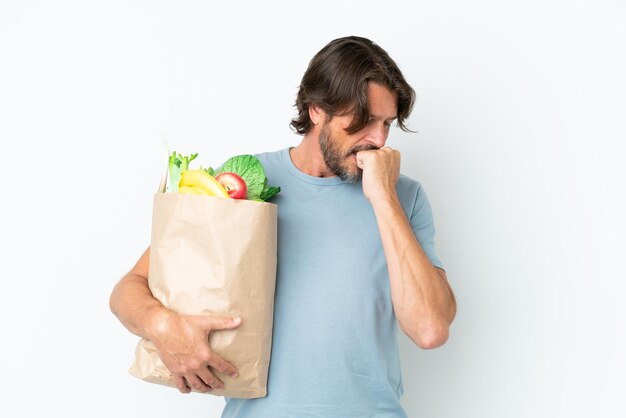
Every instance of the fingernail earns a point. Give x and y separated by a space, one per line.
235 375
237 320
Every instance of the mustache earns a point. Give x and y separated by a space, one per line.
363 148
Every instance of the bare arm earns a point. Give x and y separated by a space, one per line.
132 301
422 299
182 341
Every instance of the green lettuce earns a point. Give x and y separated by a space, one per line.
250 169
178 164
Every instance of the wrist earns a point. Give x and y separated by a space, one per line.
157 323
385 201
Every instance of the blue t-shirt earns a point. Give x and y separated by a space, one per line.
334 344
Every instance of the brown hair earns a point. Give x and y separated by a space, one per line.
336 81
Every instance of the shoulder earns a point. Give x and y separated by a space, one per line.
412 195
408 187
273 165
269 157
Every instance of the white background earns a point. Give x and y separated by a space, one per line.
520 113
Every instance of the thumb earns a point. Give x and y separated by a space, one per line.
212 322
360 156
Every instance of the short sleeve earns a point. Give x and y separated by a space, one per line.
423 225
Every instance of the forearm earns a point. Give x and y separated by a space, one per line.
422 300
135 306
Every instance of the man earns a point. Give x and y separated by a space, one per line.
356 256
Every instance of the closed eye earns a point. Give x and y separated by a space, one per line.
387 123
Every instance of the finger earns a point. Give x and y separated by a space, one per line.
360 160
181 384
218 363
221 322
210 379
196 383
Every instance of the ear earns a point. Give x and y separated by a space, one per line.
316 114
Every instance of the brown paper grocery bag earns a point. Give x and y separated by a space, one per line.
212 255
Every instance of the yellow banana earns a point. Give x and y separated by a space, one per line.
198 179
187 190
199 190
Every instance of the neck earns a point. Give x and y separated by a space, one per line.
307 157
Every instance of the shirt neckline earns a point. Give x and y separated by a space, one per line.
320 181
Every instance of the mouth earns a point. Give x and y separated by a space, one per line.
363 148
356 151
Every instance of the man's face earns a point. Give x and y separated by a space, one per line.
339 148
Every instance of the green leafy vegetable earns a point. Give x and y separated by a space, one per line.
248 167
251 171
178 164
269 192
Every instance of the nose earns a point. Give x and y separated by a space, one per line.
378 134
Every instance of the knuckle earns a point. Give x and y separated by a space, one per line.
211 358
221 365
212 323
195 383
179 385
205 356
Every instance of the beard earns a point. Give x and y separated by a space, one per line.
336 158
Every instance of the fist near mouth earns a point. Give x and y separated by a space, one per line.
381 169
